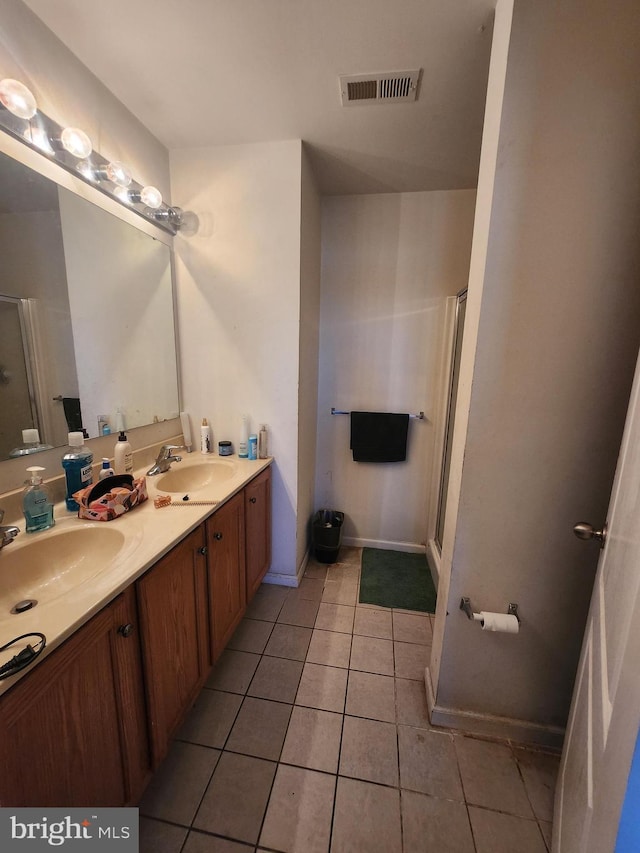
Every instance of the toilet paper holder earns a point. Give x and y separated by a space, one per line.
465 604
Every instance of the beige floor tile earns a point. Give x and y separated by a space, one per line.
411 628
211 718
433 824
411 703
288 641
503 833
411 660
335 617
198 842
539 771
158 837
371 696
329 648
310 588
178 785
373 623
260 728
251 635
299 611
344 572
340 592
277 679
369 751
234 671
490 776
350 554
299 814
366 819
237 796
315 570
313 739
267 602
323 687
428 763
369 654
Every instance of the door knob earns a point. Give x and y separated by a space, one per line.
125 630
583 530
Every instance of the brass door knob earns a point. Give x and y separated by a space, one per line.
584 530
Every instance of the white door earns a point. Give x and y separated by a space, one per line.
605 711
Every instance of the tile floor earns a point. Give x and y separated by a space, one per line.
312 735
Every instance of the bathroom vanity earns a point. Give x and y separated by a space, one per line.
88 723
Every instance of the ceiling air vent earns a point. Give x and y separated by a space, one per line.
391 87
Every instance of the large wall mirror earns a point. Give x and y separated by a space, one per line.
87 332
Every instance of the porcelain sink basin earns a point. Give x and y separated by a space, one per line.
48 567
195 477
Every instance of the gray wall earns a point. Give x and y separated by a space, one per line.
558 336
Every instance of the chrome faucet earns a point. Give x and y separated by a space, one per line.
165 458
7 534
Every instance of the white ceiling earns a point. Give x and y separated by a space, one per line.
214 72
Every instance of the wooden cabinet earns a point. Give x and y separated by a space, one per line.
174 633
257 513
227 590
73 730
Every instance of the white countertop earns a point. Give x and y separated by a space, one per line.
149 533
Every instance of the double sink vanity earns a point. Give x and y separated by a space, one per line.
136 611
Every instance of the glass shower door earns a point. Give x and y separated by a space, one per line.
451 416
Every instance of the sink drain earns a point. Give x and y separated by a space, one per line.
21 606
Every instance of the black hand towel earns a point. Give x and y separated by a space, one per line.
72 413
379 436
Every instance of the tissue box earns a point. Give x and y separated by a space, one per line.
112 497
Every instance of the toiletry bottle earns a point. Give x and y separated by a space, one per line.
263 442
205 437
77 467
106 470
123 455
243 444
37 508
253 446
30 444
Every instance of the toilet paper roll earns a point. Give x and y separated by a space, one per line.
504 622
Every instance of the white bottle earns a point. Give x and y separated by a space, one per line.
205 437
263 442
243 444
123 455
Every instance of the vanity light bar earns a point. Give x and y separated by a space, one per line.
72 149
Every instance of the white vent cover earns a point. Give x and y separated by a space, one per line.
390 87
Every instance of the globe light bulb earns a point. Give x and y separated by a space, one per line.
76 142
151 196
118 174
19 100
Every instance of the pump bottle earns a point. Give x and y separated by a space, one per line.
37 508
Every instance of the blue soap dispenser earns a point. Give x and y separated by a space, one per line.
37 508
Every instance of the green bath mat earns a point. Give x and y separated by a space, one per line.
396 579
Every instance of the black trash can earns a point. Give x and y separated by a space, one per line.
327 534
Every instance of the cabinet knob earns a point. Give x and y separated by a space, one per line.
125 630
217 536
252 500
203 550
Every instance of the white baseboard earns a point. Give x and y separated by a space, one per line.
503 728
385 545
288 580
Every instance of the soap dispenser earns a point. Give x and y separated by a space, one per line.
37 508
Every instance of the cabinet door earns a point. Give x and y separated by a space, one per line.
257 510
227 596
172 602
73 729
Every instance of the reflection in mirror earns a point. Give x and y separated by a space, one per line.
86 317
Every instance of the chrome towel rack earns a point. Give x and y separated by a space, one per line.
334 411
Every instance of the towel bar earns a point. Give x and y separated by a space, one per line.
334 411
